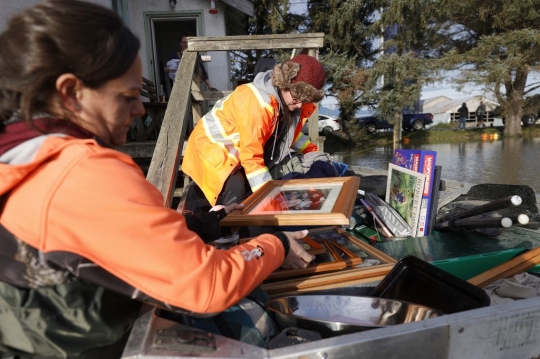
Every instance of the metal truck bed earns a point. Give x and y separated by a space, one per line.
509 330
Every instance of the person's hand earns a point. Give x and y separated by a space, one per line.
212 89
297 257
228 209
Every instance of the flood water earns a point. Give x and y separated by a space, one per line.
509 161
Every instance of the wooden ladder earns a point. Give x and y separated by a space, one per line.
186 95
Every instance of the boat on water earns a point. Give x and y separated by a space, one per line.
509 330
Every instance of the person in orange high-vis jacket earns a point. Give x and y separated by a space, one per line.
254 129
84 237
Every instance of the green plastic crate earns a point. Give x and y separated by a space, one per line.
470 266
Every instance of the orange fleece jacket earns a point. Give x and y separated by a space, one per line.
79 197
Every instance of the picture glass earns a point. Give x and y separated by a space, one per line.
317 198
322 258
332 235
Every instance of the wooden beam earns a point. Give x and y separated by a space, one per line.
209 95
149 95
138 149
196 105
256 42
166 159
148 82
149 89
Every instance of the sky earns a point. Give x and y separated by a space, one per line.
427 92
443 89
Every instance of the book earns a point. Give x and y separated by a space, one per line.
434 199
422 161
404 193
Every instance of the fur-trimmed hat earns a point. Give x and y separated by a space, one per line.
303 75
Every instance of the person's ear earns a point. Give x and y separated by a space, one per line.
68 87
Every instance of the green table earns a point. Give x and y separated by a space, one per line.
464 254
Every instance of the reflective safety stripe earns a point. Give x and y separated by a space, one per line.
301 142
216 133
258 178
263 101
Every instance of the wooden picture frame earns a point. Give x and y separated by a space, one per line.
324 262
346 246
311 246
309 202
325 277
327 233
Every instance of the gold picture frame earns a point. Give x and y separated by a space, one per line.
309 202
329 275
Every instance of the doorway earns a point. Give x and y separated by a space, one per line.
165 32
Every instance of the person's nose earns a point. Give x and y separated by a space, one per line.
138 109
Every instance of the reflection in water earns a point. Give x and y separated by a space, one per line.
509 161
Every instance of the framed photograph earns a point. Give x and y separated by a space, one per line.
367 264
310 202
351 243
341 250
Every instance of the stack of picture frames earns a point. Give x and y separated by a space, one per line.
341 260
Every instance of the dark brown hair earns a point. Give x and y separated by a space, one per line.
57 37
182 35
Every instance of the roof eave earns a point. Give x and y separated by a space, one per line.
244 6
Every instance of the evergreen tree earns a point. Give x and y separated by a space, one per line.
348 50
397 76
395 84
362 69
495 45
271 17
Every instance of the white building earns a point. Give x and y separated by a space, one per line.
445 109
